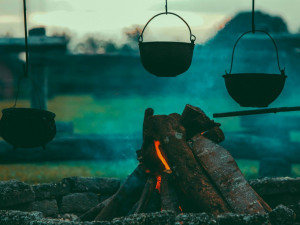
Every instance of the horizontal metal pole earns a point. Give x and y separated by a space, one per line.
256 111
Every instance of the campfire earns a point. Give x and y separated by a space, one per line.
181 168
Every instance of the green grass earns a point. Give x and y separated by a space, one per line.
54 171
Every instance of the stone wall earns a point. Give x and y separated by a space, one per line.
62 202
71 195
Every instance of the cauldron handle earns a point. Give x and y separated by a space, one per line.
192 37
282 71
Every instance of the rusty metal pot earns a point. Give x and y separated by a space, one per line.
166 59
27 127
255 89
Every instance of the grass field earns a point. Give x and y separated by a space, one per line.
55 171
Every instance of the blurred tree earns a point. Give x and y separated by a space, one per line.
133 33
64 34
242 22
6 35
94 45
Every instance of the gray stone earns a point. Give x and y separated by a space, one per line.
243 219
13 217
158 218
94 184
51 190
69 217
296 209
195 218
62 222
47 207
78 203
282 215
276 191
14 192
278 185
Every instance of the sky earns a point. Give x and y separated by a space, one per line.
109 18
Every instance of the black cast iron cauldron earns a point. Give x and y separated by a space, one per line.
27 127
166 59
255 89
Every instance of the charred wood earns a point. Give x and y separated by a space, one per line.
127 195
146 194
154 204
224 172
169 198
190 176
214 134
196 121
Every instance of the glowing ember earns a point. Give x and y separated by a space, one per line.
180 208
160 156
158 182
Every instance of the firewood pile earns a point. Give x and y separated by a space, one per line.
182 168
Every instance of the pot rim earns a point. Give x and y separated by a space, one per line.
29 109
255 75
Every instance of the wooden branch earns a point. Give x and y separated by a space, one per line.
91 214
127 195
146 194
154 204
226 175
256 111
168 193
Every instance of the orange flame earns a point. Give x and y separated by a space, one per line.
160 156
158 182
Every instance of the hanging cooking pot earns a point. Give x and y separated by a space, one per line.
166 59
255 89
27 127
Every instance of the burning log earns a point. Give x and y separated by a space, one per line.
190 176
224 172
168 193
126 196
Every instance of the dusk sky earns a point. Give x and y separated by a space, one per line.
110 17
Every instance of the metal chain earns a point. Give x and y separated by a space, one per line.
25 67
166 7
253 14
26 39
